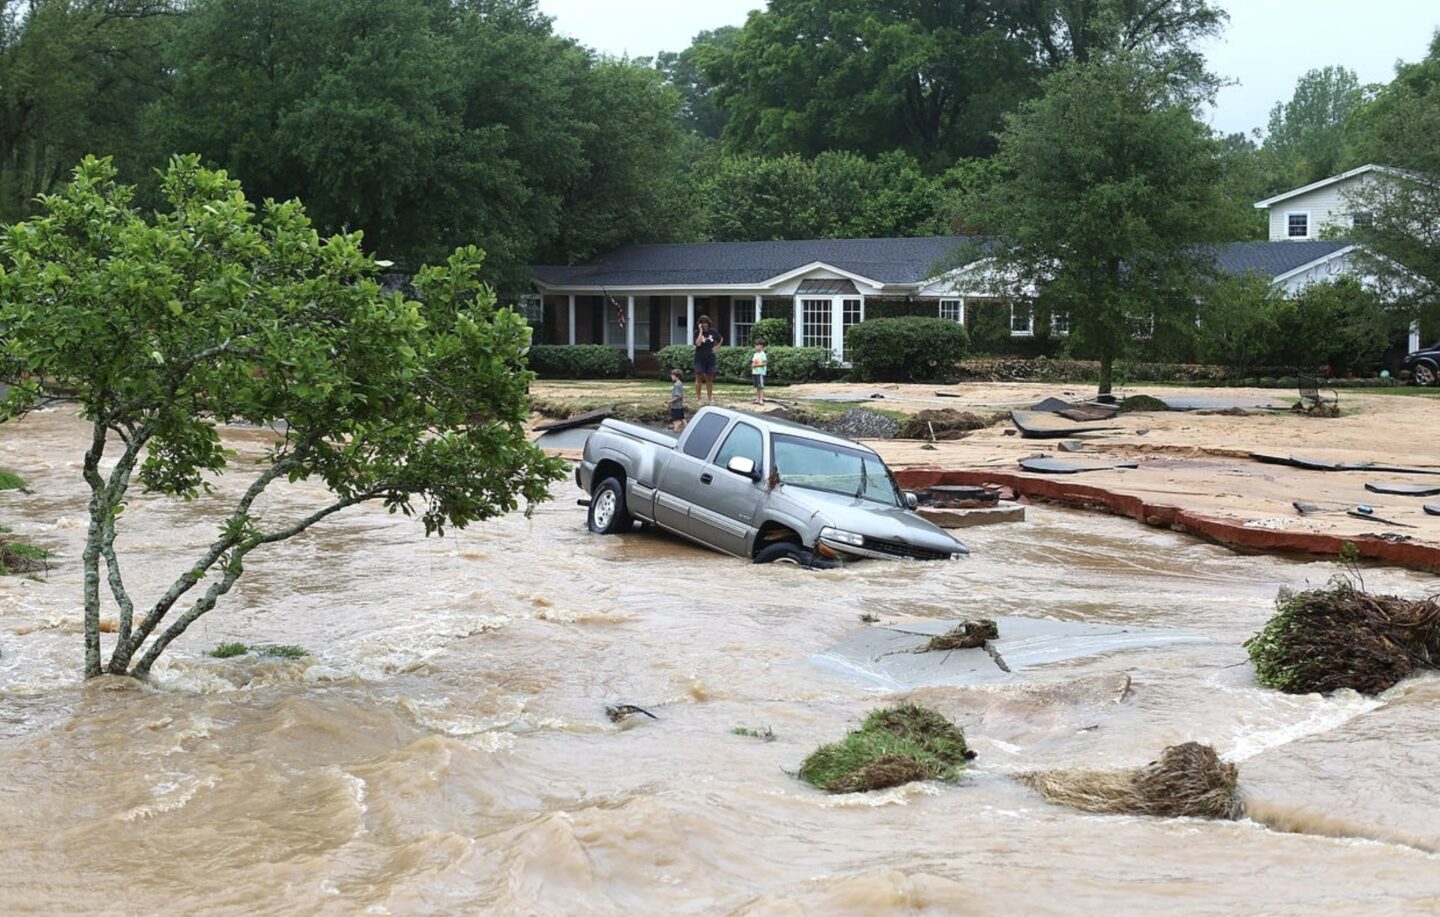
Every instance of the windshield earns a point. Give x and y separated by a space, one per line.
823 466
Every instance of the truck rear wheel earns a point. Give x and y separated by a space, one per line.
608 515
788 552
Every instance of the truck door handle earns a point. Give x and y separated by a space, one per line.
706 478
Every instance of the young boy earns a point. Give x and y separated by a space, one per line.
758 362
677 401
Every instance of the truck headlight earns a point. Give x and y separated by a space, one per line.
840 536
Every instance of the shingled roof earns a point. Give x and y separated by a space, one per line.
722 263
887 261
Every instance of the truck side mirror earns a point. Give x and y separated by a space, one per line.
911 501
743 466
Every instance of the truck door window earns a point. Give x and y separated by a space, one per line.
745 441
703 435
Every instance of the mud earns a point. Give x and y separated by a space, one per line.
445 748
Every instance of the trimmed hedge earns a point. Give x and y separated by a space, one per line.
907 349
775 332
784 364
578 361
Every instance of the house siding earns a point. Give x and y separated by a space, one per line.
1327 206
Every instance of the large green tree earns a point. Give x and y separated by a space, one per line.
216 311
75 76
929 79
1109 182
1307 138
1401 228
684 70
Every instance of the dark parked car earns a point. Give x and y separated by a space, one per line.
1423 365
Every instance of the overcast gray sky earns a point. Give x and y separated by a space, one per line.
1267 46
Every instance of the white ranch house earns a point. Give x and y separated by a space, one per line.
644 297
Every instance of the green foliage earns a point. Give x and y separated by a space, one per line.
284 651
931 80
833 195
909 349
775 332
1239 324
9 480
1307 139
933 745
683 70
1339 325
229 650
213 310
765 735
785 364
578 361
1109 183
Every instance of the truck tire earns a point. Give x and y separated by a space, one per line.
608 515
788 552
1424 374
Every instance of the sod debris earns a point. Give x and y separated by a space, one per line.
1322 640
965 636
1145 403
895 745
1187 781
945 424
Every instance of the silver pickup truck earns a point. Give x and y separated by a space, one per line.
756 488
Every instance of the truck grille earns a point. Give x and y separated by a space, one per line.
896 549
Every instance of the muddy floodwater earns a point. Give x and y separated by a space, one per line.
445 749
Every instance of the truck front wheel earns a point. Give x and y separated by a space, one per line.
788 552
608 515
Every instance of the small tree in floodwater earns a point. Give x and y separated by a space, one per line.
216 311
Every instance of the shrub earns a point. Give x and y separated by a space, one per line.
909 349
775 332
786 364
578 361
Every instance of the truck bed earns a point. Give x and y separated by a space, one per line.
645 434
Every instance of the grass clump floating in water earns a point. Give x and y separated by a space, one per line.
1322 640
18 557
1188 780
894 745
231 650
9 480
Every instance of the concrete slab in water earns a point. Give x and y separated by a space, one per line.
888 655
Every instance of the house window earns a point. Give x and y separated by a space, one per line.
615 323
1297 225
953 310
744 317
1022 320
854 312
1060 323
816 322
530 306
1142 327
1363 220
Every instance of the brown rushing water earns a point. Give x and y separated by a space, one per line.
446 749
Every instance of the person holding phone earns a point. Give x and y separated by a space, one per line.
706 340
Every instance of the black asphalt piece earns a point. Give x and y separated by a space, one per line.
1402 490
579 420
1058 466
1431 509
1373 518
1309 464
1032 426
1315 509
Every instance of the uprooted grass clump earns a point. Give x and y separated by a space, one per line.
945 424
272 651
9 480
1143 403
17 556
894 745
1321 640
1188 780
966 635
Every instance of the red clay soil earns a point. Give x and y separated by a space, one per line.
1414 555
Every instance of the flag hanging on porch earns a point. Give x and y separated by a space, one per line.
619 311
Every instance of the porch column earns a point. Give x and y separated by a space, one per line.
837 328
731 339
689 320
1414 336
759 304
799 323
572 318
630 327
